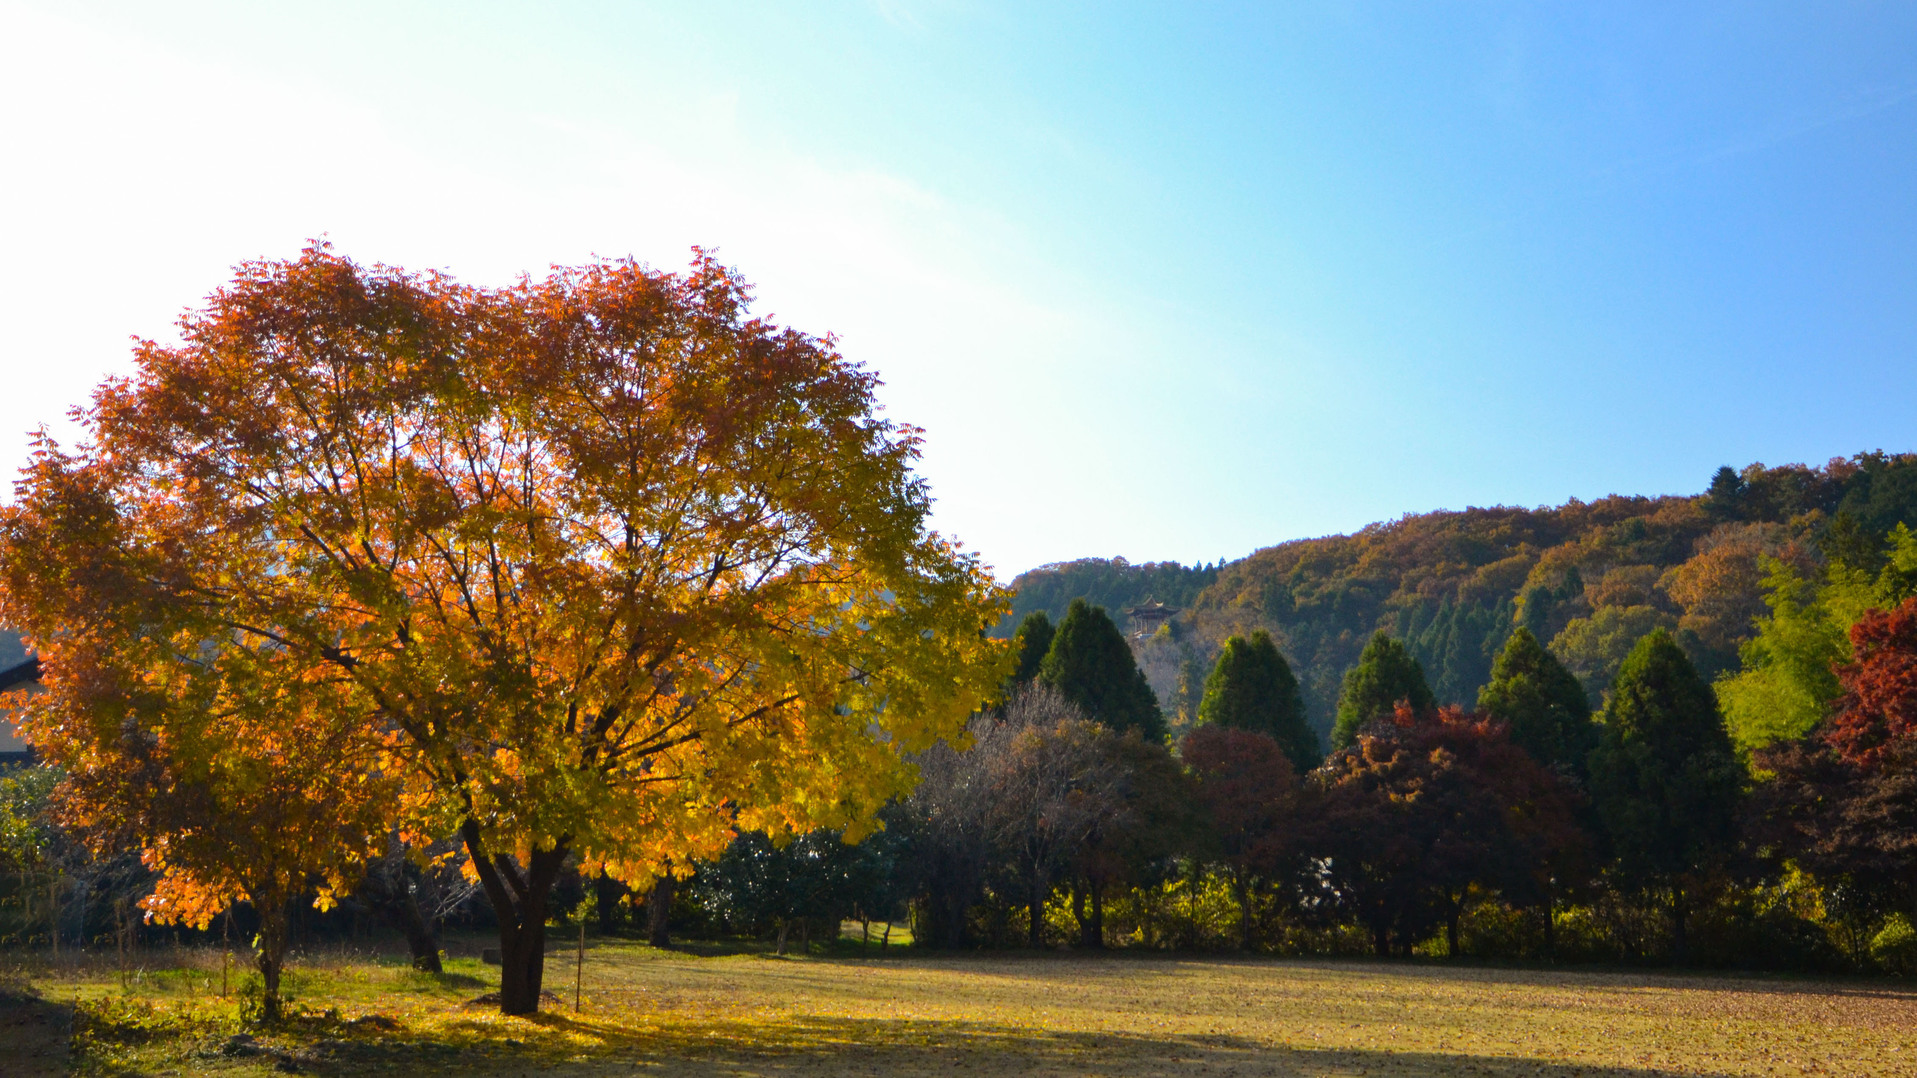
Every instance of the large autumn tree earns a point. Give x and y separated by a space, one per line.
607 568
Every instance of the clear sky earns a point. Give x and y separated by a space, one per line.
1176 281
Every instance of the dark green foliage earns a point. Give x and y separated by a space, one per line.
756 885
1385 675
1844 542
1251 687
1113 583
1880 491
1092 666
1541 702
1034 640
1725 498
1455 642
1664 777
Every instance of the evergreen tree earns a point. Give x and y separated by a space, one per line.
1385 675
1542 703
1664 777
1727 494
1090 663
1034 640
1252 688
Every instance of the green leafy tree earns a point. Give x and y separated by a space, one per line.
1593 648
1386 674
1251 687
1665 778
1034 639
1092 666
1789 680
1541 702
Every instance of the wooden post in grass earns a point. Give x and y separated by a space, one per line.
119 935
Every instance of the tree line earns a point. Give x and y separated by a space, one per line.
1527 826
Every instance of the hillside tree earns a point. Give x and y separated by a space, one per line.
1386 675
1541 702
1090 663
1032 641
1251 687
1665 778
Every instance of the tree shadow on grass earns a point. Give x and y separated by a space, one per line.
34 1034
582 1046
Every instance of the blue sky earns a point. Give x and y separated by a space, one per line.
1161 282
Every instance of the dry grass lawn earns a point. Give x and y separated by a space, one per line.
647 1011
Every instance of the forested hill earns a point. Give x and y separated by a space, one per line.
1590 578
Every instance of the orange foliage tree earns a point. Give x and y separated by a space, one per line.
230 761
604 567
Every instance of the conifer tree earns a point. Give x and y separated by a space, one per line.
1664 777
1386 674
1034 639
1090 663
1541 702
1251 687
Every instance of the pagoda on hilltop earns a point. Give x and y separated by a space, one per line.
1147 618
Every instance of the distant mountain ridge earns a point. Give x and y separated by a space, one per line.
1589 577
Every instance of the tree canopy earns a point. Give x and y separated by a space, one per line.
1542 703
1665 778
1385 676
1789 680
1251 687
1033 640
1090 663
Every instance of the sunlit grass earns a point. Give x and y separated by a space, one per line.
753 1013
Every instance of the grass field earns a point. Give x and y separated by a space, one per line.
647 1011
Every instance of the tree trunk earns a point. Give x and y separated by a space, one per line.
1035 932
1381 940
1451 934
396 901
1243 887
782 928
886 940
1680 950
272 955
519 898
1091 923
1550 930
607 892
658 909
